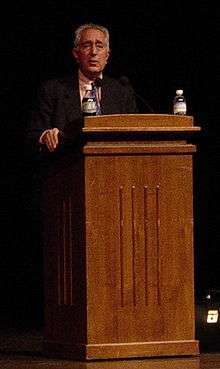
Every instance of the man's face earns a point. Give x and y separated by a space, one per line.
92 52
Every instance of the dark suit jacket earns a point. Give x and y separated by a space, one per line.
58 105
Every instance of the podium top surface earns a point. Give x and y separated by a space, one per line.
139 122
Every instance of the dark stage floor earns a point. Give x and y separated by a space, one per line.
23 350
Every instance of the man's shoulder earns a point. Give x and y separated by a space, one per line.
58 87
114 84
108 80
58 82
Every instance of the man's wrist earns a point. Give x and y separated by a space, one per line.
42 136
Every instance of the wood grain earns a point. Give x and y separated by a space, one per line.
119 267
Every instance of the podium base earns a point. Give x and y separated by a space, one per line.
121 350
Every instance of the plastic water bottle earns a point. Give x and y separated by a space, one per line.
179 103
89 104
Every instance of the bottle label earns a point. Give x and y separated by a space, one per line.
89 106
179 108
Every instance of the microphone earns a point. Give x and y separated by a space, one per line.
125 82
98 82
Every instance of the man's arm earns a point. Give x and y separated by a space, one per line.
41 130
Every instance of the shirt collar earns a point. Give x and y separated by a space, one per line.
84 81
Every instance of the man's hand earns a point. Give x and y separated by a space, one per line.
50 139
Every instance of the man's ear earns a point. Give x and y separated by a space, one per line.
108 56
75 54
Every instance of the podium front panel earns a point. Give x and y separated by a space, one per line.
139 232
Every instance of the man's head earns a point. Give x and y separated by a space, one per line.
91 49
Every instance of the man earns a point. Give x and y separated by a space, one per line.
60 100
58 110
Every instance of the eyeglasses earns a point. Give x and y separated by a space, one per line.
88 45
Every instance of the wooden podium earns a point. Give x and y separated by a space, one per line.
119 257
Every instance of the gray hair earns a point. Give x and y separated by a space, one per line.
83 27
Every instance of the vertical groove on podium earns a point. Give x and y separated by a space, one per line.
158 243
146 243
133 243
59 241
69 271
65 255
121 245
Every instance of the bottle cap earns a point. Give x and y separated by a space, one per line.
179 92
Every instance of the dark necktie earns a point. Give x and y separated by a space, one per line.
96 95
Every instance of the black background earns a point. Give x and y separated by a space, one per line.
161 46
